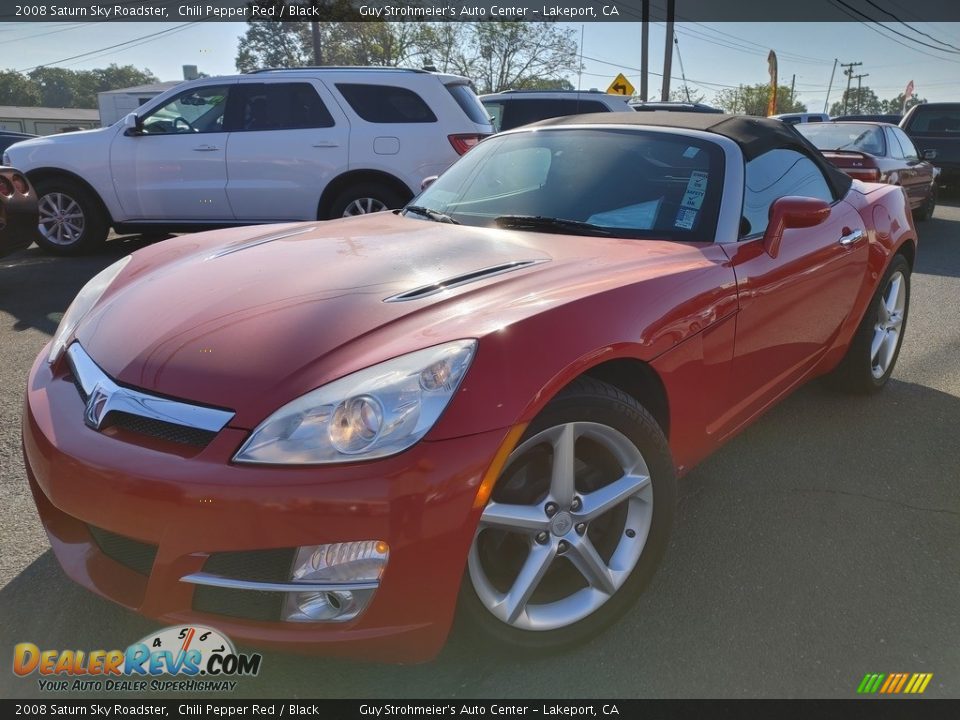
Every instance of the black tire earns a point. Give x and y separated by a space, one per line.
95 223
925 211
855 373
588 400
387 196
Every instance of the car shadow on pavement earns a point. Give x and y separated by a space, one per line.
36 288
818 545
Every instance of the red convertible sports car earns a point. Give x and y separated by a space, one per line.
339 435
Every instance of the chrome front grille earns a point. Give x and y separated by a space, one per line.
109 404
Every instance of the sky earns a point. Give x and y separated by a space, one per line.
713 55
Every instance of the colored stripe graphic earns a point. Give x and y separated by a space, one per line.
894 683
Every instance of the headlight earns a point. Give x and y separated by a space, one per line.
372 413
5 160
82 304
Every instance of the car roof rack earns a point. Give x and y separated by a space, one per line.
336 67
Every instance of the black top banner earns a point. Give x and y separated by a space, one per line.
865 11
501 709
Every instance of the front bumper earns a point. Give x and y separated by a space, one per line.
185 505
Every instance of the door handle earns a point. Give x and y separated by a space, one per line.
205 148
851 238
326 145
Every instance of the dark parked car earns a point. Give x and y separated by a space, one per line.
893 119
18 211
673 107
8 138
878 152
935 129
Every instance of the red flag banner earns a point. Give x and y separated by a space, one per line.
907 94
772 67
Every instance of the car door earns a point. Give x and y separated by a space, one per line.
174 166
291 139
918 173
791 306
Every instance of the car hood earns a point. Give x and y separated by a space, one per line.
248 319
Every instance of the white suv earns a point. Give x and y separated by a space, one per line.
269 146
512 108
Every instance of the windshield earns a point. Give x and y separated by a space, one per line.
845 136
629 183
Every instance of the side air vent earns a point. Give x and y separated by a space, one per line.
457 280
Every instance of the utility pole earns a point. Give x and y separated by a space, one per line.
793 81
849 73
859 80
830 86
644 47
668 51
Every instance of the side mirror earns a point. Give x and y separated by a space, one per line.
132 124
792 212
929 154
428 181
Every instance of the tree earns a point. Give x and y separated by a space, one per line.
496 55
508 55
754 99
852 102
59 87
17 89
685 93
894 106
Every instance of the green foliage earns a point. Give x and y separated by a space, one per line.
685 93
754 99
17 89
496 55
62 88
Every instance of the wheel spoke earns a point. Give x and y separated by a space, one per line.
877 343
587 560
888 348
516 518
893 295
562 474
608 497
529 577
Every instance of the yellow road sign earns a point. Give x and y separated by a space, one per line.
620 86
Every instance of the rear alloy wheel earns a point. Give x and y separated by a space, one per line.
873 352
71 220
576 524
364 198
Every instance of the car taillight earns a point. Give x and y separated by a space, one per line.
21 185
462 143
6 187
865 174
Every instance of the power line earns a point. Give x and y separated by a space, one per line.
148 37
907 25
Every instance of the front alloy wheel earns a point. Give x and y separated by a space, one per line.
581 542
61 219
362 206
575 525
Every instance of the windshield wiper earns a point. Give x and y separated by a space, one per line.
434 215
539 222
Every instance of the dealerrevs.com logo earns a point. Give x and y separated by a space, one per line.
202 659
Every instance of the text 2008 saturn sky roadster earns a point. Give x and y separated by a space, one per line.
340 435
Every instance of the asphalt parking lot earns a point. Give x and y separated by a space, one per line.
819 545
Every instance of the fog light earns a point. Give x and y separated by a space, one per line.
343 564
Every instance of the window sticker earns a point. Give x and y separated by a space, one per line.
696 189
685 218
691 152
642 216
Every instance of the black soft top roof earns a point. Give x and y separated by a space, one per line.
754 135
